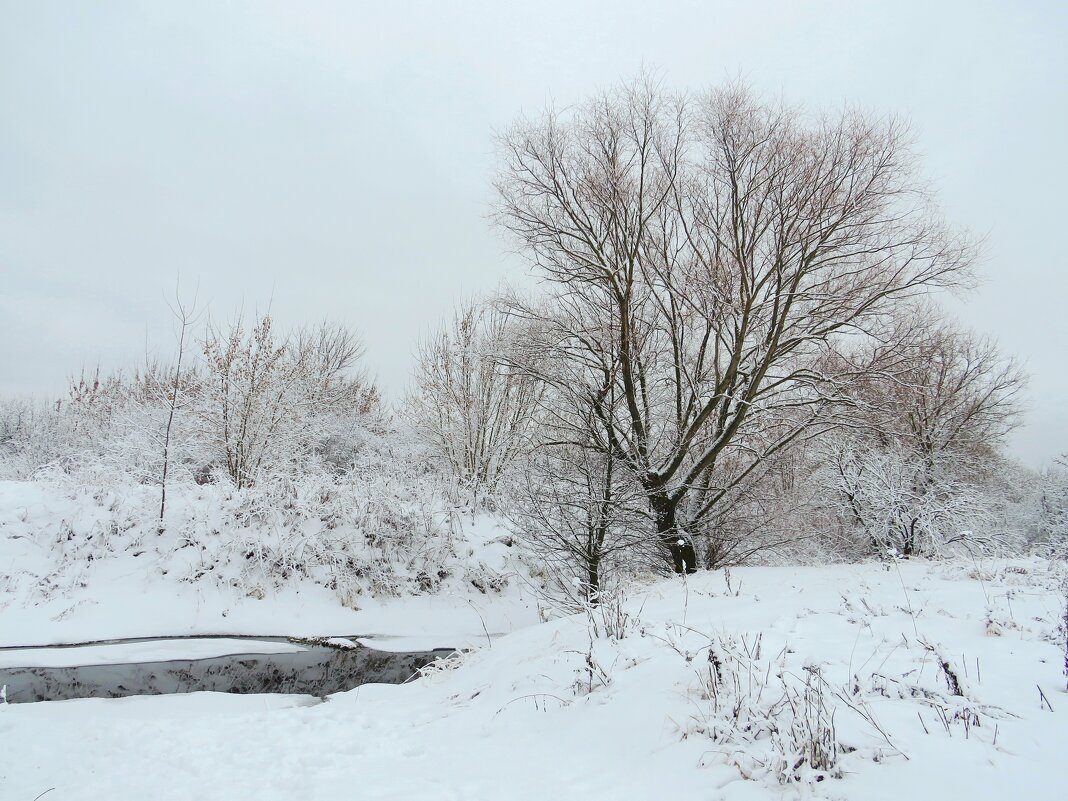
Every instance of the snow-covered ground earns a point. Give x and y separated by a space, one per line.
907 680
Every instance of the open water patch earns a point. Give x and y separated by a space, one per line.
299 667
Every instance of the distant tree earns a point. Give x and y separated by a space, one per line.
471 408
914 471
952 391
1050 515
902 504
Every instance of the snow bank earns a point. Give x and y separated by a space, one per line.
125 653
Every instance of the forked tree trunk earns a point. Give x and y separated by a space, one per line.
678 543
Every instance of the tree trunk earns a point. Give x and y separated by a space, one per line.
677 542
593 580
909 548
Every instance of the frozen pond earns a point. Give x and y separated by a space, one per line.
229 665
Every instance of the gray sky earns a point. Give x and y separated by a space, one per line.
336 157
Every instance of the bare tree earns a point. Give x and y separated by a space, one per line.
571 498
705 255
469 404
772 509
580 515
184 316
913 470
952 390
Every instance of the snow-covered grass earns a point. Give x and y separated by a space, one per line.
866 682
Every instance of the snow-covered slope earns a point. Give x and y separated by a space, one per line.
907 680
84 564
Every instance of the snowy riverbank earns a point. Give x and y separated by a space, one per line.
909 680
80 564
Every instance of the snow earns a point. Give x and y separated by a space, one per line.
81 565
564 710
416 623
151 651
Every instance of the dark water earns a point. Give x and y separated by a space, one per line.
319 670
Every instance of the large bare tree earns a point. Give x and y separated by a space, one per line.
707 255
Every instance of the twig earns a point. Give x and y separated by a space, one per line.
908 600
535 696
1043 698
489 641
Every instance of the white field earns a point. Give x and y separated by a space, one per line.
566 710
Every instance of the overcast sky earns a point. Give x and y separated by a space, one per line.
334 159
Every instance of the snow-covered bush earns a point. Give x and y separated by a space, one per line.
896 500
254 404
32 433
379 532
268 402
360 533
282 468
